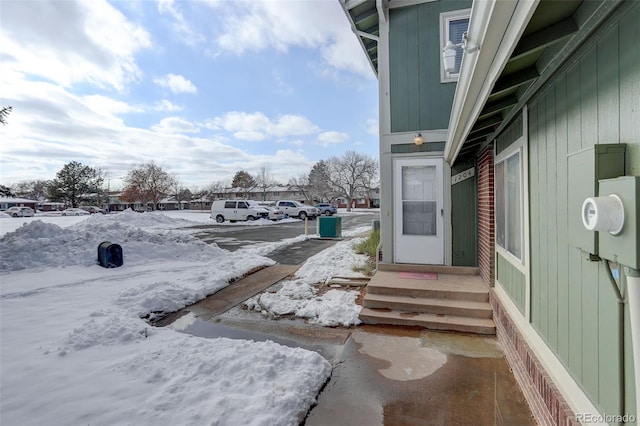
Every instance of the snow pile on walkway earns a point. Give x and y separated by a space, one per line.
75 349
299 296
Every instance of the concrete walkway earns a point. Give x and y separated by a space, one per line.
399 376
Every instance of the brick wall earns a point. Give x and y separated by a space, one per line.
547 405
486 248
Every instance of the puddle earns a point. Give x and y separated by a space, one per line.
405 357
190 324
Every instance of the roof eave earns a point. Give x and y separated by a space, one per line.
496 27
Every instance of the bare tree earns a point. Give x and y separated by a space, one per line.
217 189
352 174
179 192
301 184
32 189
264 180
150 182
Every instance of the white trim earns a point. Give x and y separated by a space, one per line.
428 136
405 3
570 390
495 26
445 19
521 145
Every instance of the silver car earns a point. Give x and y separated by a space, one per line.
20 211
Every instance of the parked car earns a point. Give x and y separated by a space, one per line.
93 209
233 210
274 213
20 211
326 208
296 209
74 212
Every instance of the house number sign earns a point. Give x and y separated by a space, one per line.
463 176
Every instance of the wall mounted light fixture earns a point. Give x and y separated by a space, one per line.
449 52
418 139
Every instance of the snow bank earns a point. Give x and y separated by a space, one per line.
74 348
299 296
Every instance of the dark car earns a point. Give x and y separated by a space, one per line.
326 208
93 209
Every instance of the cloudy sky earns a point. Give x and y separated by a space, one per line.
204 88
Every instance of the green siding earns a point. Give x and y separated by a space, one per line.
510 134
593 100
512 280
419 101
464 199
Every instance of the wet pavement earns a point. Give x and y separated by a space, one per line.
390 376
396 376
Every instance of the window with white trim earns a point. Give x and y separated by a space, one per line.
509 204
452 26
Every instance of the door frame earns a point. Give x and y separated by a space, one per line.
445 182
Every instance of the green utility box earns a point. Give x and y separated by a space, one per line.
330 226
585 169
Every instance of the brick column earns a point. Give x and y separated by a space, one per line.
486 247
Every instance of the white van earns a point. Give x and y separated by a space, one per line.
233 210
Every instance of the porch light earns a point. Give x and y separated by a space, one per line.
418 139
449 52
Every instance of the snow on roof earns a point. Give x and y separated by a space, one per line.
16 200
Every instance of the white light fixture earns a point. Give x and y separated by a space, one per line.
418 139
449 52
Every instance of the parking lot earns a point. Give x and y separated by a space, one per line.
235 236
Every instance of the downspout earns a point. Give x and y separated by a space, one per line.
633 293
621 302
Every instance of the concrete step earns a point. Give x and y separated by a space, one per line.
429 321
463 308
441 269
445 287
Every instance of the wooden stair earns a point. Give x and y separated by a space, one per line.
455 302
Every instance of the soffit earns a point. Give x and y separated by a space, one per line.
556 29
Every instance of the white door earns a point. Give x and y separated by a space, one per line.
419 211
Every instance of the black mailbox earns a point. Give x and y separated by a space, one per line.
109 255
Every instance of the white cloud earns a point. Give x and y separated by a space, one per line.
180 25
257 126
259 25
331 138
71 42
175 125
372 126
165 105
176 83
104 105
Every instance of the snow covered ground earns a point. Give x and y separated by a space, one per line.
74 349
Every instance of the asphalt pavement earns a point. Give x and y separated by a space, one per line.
232 237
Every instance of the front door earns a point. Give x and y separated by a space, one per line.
419 211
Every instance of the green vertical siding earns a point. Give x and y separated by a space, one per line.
593 100
510 134
419 101
512 281
464 199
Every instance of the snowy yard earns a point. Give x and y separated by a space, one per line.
75 349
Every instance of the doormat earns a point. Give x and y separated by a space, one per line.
418 275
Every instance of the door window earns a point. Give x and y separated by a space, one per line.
419 205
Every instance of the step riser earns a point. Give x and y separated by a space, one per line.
429 309
372 319
429 294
